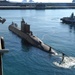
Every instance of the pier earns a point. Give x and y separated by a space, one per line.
1 47
2 51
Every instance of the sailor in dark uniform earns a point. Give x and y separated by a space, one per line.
50 51
62 58
72 15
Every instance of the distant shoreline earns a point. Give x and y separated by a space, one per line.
11 5
50 7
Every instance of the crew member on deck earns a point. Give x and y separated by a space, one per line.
50 51
72 15
62 58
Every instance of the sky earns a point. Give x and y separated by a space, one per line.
43 0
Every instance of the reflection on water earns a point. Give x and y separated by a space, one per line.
72 28
25 45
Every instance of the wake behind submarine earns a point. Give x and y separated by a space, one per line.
27 35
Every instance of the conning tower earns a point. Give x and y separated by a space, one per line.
25 27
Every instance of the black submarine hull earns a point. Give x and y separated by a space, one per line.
68 20
33 40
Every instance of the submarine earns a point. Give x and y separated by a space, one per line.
69 20
25 33
2 20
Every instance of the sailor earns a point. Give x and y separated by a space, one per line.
31 33
50 51
72 15
12 23
62 58
16 25
40 42
23 20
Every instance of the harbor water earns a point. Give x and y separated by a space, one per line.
24 59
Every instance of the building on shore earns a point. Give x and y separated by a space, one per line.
24 1
31 1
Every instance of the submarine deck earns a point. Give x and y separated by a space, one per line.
44 46
33 40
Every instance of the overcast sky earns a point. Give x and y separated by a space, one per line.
44 0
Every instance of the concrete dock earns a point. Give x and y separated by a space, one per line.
1 65
2 51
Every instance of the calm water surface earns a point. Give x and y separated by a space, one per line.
28 60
